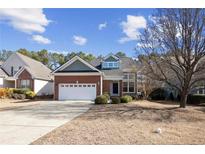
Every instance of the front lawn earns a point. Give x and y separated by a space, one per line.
133 123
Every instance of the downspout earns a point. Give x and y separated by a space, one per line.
101 84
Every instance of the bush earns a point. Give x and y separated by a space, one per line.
25 91
30 94
21 90
158 94
196 99
2 93
107 95
101 100
18 96
6 92
126 99
115 100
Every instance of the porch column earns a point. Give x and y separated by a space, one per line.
101 84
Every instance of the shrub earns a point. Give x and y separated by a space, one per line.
6 92
115 100
3 93
171 96
9 92
21 90
107 95
25 91
30 94
126 99
158 94
196 99
101 100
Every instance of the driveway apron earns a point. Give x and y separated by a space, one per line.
25 124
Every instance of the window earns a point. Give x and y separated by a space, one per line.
110 64
25 84
125 87
129 83
125 76
201 91
131 87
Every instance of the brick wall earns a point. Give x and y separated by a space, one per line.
74 79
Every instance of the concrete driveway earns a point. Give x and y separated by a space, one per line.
26 124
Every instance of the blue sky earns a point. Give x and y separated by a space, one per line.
96 31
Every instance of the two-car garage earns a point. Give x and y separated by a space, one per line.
77 91
77 80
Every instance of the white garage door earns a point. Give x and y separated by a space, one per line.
77 91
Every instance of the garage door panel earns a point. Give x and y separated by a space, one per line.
77 91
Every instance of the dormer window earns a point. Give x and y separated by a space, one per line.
110 65
110 61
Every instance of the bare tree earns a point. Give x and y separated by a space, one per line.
174 48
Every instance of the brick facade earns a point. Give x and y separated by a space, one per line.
25 75
75 79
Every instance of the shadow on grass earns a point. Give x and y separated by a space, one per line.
128 112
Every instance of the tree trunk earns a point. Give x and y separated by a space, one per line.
183 100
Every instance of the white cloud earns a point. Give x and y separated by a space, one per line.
25 20
101 26
79 40
131 28
40 39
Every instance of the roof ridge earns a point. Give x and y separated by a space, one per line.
20 54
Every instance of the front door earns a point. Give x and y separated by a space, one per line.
115 88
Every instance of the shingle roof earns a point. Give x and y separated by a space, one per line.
1 62
37 69
126 63
2 73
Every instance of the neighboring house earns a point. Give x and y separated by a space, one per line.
20 71
80 80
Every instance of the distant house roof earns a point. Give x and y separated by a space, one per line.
37 69
1 62
3 73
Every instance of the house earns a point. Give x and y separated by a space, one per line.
79 80
20 71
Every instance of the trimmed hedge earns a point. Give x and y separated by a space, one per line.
25 91
126 99
115 100
196 99
101 100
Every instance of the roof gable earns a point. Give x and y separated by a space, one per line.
76 64
111 58
36 68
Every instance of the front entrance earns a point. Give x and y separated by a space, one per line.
115 88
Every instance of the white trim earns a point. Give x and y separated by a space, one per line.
111 55
113 77
128 80
111 88
72 61
21 70
78 74
101 85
